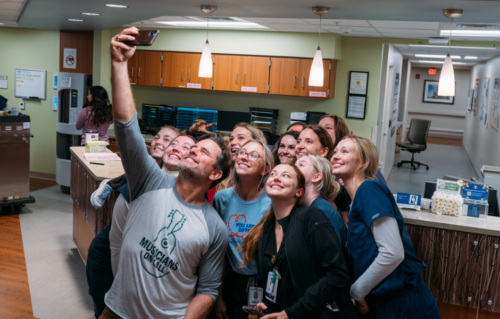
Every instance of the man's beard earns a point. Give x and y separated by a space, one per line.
192 173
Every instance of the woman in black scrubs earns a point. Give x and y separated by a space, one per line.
298 250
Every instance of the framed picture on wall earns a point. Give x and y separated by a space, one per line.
358 82
356 107
431 94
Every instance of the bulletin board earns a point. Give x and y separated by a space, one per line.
30 84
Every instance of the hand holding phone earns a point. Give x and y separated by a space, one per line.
253 311
143 38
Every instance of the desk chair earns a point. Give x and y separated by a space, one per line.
417 137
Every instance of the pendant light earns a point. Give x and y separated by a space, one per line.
316 76
447 78
205 70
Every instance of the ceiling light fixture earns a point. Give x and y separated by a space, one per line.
436 56
75 20
446 85
442 46
90 14
440 62
205 70
316 76
471 58
120 6
471 33
216 24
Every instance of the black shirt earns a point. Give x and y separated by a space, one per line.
286 292
342 200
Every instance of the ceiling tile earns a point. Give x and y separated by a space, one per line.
336 28
405 24
429 33
340 23
303 27
10 6
275 21
167 18
409 36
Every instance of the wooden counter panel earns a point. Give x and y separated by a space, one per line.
490 281
81 233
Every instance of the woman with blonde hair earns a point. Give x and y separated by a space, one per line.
241 207
386 270
321 189
297 253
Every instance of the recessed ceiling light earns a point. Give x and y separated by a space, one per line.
471 33
471 58
446 47
439 62
217 24
436 56
90 14
116 6
76 20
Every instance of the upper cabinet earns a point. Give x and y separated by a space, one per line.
236 73
241 73
290 76
149 65
180 70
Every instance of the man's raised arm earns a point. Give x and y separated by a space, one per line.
123 101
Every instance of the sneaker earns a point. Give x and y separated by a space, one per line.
99 197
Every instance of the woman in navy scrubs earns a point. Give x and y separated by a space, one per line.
387 281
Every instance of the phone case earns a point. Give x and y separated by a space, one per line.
143 38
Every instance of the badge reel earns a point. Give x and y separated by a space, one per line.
272 285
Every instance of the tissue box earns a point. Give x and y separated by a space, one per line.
95 147
475 208
447 204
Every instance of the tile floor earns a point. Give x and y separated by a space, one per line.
442 160
56 272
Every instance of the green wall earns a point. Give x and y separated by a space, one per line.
33 49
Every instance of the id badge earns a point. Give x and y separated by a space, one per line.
255 296
272 285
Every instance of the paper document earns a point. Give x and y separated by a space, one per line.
101 157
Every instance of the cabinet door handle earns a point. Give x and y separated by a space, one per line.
132 71
189 75
469 299
294 81
302 82
182 75
243 78
475 242
236 79
138 72
496 246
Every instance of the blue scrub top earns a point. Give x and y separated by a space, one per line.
373 200
334 216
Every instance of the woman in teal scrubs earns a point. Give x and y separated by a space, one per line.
387 282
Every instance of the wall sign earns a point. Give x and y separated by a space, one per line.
358 82
69 61
356 107
248 89
317 94
194 85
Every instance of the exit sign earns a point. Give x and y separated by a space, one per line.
432 71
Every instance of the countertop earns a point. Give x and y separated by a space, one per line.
485 226
147 137
110 169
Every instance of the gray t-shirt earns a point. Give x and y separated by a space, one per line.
171 250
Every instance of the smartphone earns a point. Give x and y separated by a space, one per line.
143 38
253 311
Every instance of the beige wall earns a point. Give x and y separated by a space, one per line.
447 120
33 49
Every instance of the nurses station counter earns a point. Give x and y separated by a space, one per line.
85 179
462 255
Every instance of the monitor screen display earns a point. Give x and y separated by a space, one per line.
156 116
187 116
228 119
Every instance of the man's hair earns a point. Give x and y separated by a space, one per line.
224 160
296 123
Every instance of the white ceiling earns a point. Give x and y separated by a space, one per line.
350 28
10 11
409 51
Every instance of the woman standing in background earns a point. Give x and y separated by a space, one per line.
284 150
97 116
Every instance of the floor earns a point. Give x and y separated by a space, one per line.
55 270
442 160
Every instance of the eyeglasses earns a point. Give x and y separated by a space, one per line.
252 156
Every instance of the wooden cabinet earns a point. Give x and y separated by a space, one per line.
291 77
193 67
91 212
132 68
149 67
241 73
180 70
490 280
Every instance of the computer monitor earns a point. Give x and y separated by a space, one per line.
228 119
187 116
314 117
154 116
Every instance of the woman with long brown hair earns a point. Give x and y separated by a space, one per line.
97 116
298 255
284 149
314 140
386 270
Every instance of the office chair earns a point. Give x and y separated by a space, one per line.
417 137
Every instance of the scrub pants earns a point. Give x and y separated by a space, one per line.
414 303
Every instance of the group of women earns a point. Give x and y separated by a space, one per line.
313 225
